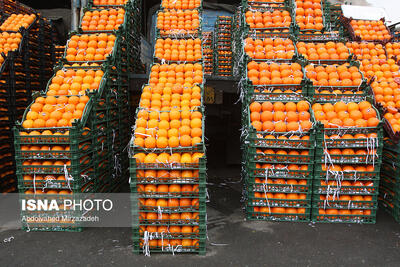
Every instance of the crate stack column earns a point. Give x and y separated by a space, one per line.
349 135
73 132
379 67
167 159
25 65
223 56
208 52
278 134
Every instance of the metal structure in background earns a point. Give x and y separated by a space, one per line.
75 5
77 12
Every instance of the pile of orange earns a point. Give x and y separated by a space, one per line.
387 93
51 111
46 163
109 2
323 51
171 158
92 47
345 211
14 22
349 197
48 192
9 42
165 98
280 210
309 15
168 129
267 19
178 49
74 82
273 73
367 50
346 169
392 49
178 21
185 216
334 75
370 30
182 4
269 48
169 203
168 189
280 117
349 151
350 136
176 74
348 183
393 117
177 176
340 114
103 20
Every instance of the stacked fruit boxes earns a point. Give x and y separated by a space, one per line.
314 21
72 137
27 55
389 187
349 138
223 57
278 155
278 137
167 159
380 68
208 52
131 22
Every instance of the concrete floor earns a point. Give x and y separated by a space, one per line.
232 240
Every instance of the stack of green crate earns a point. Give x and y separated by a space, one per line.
277 165
331 30
119 67
389 187
132 27
208 52
347 158
85 156
58 161
223 56
237 44
278 172
346 185
168 181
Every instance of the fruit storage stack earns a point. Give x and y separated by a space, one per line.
112 15
314 21
208 53
24 68
72 137
278 136
389 187
167 159
348 159
349 137
223 46
381 70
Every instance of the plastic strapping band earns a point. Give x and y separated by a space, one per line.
67 177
